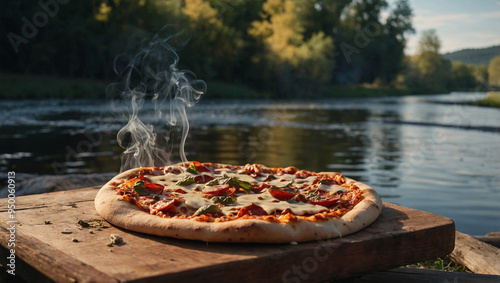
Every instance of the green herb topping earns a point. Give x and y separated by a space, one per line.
224 200
210 208
186 181
140 189
192 169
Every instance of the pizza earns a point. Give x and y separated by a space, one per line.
215 202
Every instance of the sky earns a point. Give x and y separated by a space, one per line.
459 24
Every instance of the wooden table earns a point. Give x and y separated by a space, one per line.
63 251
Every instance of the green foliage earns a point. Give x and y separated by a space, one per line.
283 46
492 100
371 49
494 71
315 58
462 76
428 71
15 86
480 73
280 48
298 63
441 264
363 91
30 86
429 42
228 90
215 45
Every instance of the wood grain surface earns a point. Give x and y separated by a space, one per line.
479 257
64 251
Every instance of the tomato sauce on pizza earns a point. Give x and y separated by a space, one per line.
191 194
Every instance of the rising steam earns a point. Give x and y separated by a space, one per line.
152 75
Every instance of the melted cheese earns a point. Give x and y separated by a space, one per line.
195 199
270 204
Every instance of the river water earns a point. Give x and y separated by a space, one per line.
425 152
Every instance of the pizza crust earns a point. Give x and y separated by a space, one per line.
121 213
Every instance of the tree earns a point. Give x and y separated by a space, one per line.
494 71
397 26
360 37
295 61
480 73
320 15
78 38
429 42
462 77
370 49
429 71
213 45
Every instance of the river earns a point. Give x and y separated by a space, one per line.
425 152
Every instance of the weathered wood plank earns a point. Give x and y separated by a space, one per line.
479 257
53 263
492 238
400 236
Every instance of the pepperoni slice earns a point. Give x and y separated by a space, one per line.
216 190
303 174
326 180
153 171
252 209
259 187
282 194
165 206
329 180
230 192
203 178
287 170
172 169
200 167
326 200
253 170
144 179
153 188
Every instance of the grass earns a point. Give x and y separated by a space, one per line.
441 264
363 91
19 86
16 86
492 100
227 90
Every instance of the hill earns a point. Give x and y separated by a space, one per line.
474 56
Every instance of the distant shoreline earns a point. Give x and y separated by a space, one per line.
19 86
492 100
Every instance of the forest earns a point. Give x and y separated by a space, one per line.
288 48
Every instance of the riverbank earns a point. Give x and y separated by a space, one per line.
492 100
363 91
19 86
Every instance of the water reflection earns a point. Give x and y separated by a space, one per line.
306 139
421 152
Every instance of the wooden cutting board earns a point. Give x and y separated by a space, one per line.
64 251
